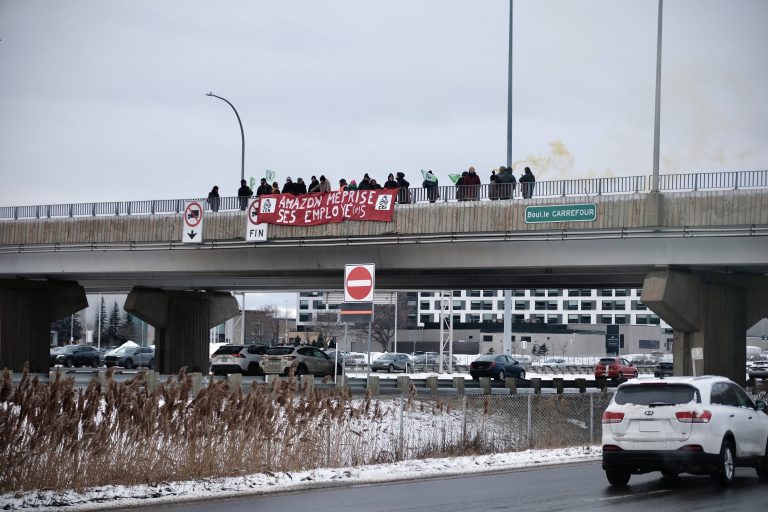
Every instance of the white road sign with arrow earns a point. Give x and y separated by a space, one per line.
193 223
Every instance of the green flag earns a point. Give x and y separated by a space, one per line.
454 177
252 182
428 176
269 174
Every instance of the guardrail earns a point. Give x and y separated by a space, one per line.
561 188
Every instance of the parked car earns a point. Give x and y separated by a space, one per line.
75 355
759 370
432 359
496 366
664 369
615 368
244 359
697 425
305 360
130 357
556 363
392 362
355 359
644 360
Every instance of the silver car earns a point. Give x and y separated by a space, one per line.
244 359
131 357
305 360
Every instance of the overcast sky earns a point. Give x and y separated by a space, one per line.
104 100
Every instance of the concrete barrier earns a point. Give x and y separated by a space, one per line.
307 384
373 384
404 383
558 382
485 385
511 385
458 384
536 385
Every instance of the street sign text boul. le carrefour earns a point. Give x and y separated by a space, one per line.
561 213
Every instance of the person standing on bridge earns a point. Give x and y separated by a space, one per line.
505 183
325 185
299 188
431 186
404 196
527 182
244 192
390 183
213 199
365 183
472 185
288 188
264 188
314 185
275 187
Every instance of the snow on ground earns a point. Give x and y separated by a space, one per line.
103 498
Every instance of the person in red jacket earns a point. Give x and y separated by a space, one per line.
472 185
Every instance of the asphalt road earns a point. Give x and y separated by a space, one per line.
573 488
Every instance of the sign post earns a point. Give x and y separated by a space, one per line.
697 353
359 282
254 232
192 230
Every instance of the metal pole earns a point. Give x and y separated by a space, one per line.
242 135
395 321
242 321
369 348
101 298
509 89
657 116
72 328
506 345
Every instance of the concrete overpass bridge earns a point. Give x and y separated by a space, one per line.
698 248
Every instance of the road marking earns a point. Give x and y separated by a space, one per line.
634 495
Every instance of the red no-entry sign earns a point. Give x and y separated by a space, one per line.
359 283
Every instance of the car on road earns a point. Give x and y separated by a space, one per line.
303 359
130 357
644 360
75 355
496 366
664 369
759 370
615 368
243 359
392 362
697 425
432 359
355 359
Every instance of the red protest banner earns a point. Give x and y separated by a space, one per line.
324 208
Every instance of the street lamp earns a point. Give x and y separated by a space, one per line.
242 135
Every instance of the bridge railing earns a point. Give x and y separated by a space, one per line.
493 191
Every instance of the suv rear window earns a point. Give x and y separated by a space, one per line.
228 349
657 394
280 351
607 361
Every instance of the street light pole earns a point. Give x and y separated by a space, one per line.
242 134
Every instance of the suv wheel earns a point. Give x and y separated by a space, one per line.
501 376
762 466
617 477
391 368
521 376
69 362
726 468
253 369
620 376
128 364
151 364
301 370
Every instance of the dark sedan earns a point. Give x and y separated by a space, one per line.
392 362
664 369
497 367
759 370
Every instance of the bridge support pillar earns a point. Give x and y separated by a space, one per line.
182 321
708 311
27 309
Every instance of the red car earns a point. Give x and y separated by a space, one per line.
616 368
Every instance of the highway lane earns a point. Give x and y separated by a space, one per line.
572 488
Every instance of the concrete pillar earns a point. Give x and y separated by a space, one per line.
536 385
709 311
485 385
182 322
458 384
558 382
373 385
308 384
404 383
511 384
432 383
27 310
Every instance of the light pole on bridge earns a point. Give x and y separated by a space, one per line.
242 134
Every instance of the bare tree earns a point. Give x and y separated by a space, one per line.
383 325
326 326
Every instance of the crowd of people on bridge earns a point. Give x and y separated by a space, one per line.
502 185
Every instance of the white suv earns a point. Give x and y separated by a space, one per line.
697 425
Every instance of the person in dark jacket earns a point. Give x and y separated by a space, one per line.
527 183
374 185
264 188
391 183
243 193
365 183
430 183
288 187
404 195
461 190
213 199
505 183
493 190
299 187
314 185
472 184
275 187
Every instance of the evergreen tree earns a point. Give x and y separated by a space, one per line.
113 324
68 326
127 329
543 349
101 321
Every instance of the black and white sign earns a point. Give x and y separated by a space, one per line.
192 231
254 232
359 282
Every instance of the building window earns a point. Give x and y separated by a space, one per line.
474 293
554 319
425 294
305 317
605 319
620 319
457 293
573 319
641 319
619 305
424 305
573 293
487 337
500 305
459 305
476 305
621 292
539 305
425 319
519 293
554 293
522 305
489 317
587 305
318 304
473 319
605 292
539 293
649 344
654 320
518 318
585 319
572 305
303 304
639 306
607 305
487 305
586 292
551 305
489 293
438 306
537 319
456 319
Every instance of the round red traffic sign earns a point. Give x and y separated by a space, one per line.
359 283
253 212
193 214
